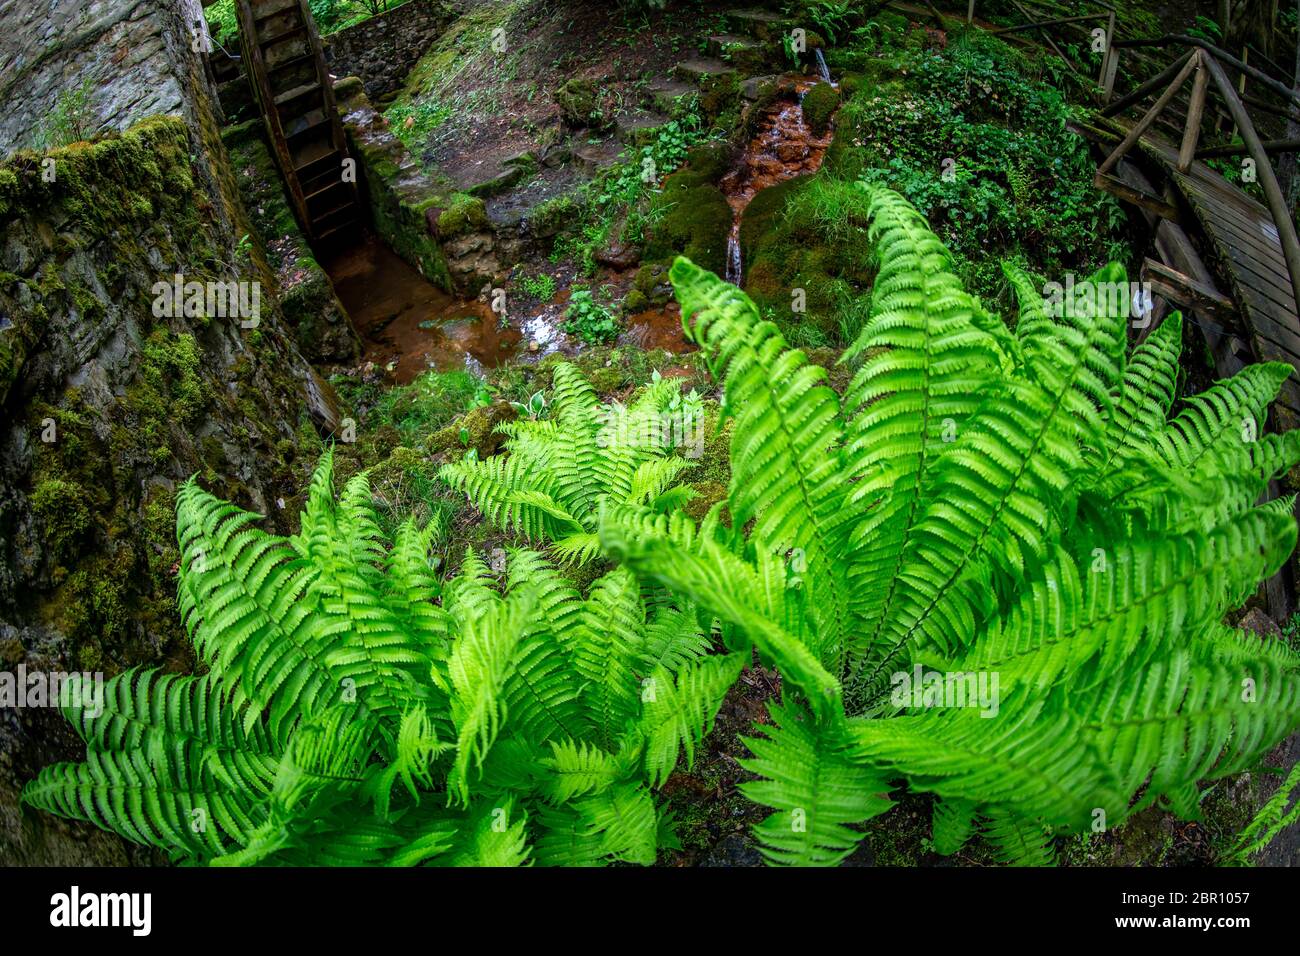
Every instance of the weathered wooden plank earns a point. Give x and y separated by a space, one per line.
1263 280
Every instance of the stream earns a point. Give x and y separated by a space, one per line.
783 148
408 325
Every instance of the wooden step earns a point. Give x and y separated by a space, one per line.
338 216
313 185
304 124
334 233
275 32
265 9
298 92
286 53
322 164
331 195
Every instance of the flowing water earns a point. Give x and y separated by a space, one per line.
823 70
783 148
409 326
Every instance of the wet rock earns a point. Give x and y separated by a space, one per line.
555 155
1257 622
618 256
735 849
758 87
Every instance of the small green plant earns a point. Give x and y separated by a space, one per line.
540 287
429 402
533 409
550 485
1276 815
590 321
72 119
1206 29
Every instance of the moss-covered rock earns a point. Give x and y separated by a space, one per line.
578 102
711 160
464 214
807 274
475 430
819 105
322 328
692 218
90 469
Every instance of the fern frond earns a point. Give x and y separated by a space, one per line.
784 448
478 668
677 714
815 789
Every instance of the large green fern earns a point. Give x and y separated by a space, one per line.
991 504
355 712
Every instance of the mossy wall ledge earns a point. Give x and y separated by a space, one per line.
422 216
106 405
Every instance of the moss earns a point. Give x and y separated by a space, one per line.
61 508
707 494
556 213
463 215
635 301
819 105
405 484
710 160
785 249
476 430
692 218
8 190
578 102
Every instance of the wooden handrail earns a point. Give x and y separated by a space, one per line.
1221 55
1277 204
1124 102
1141 126
1241 149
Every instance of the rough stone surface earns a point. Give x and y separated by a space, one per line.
443 233
383 49
107 404
127 52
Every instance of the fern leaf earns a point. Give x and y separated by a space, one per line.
815 789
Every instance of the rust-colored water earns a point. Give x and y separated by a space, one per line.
410 325
783 148
658 329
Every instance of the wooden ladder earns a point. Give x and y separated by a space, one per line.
286 66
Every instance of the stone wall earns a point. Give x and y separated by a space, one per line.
422 217
128 53
106 406
383 49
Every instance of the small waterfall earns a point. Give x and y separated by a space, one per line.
733 254
784 147
823 70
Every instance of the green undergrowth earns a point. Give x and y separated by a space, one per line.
625 203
